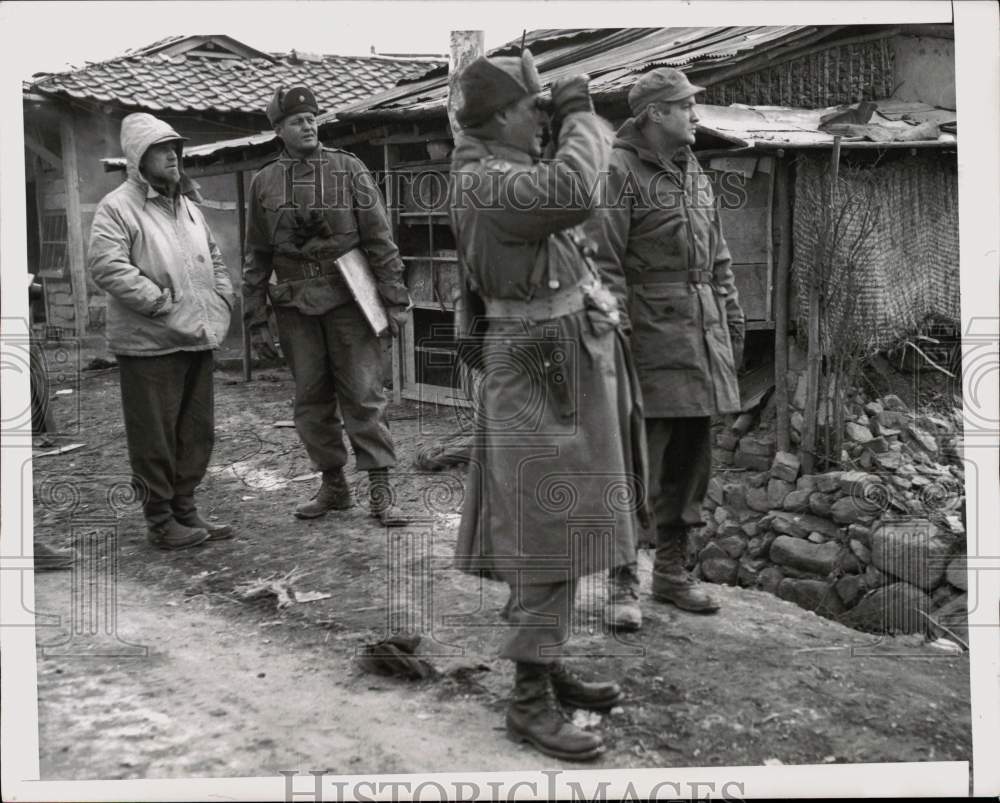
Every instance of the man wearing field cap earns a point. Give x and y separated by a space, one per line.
309 207
660 245
169 303
554 447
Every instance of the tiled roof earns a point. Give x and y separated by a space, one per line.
158 82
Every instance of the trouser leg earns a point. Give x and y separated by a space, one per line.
152 393
317 420
195 430
356 359
683 467
540 616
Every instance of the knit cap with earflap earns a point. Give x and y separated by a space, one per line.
491 84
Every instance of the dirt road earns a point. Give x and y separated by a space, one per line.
230 688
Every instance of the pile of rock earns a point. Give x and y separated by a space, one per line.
880 548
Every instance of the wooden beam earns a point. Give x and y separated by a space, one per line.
466 46
74 222
241 217
782 176
42 152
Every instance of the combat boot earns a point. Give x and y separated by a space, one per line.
573 691
333 494
672 583
171 534
534 716
187 514
621 606
381 499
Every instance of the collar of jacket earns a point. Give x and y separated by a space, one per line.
287 157
469 147
188 187
630 138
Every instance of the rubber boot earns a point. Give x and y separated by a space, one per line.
534 716
187 514
334 494
671 581
621 606
381 499
573 691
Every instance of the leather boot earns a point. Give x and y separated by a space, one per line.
673 584
573 691
621 606
333 494
381 499
174 535
535 717
187 514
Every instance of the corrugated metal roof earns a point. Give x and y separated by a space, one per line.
156 81
613 61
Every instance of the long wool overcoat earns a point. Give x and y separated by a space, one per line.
661 215
557 469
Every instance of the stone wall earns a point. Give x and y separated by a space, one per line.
879 546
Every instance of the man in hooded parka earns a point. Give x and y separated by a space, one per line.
551 492
169 299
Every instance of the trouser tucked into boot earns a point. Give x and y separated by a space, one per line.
534 716
671 580
680 461
334 494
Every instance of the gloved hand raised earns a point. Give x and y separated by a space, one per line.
571 94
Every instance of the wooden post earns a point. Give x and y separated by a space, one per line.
782 177
74 223
815 352
466 46
241 218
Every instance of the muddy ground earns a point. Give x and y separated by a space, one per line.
197 682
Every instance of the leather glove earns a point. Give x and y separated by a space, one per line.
262 342
738 343
397 319
570 94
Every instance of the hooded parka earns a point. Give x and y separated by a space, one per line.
657 216
168 287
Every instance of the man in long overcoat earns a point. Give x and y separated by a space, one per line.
552 489
660 246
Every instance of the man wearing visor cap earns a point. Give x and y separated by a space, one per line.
556 418
660 245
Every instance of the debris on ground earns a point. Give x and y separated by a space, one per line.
284 424
395 657
450 450
279 587
70 447
99 363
